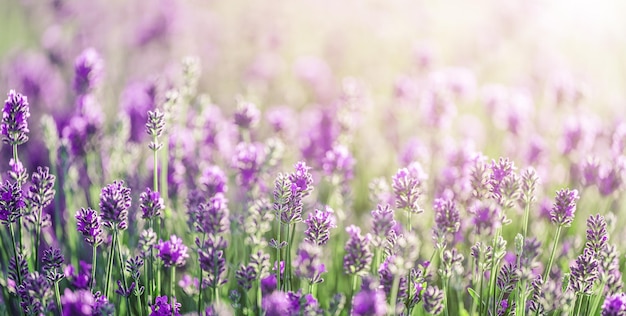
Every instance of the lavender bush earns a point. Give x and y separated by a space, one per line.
200 158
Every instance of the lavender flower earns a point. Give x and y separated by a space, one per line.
258 222
358 255
114 203
35 293
213 181
268 284
173 252
80 279
507 278
276 304
17 266
15 116
387 276
212 259
529 185
155 127
433 300
88 224
318 226
610 269
303 304
614 305
339 161
597 236
247 115
302 178
287 200
52 261
308 263
102 307
407 189
370 300
504 183
534 304
12 205
382 223
247 161
88 71
212 217
564 207
584 272
162 308
41 192
77 303
151 204
447 219
147 240
245 276
487 217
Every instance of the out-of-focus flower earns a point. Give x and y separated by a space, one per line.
79 279
114 203
382 223
248 160
15 116
319 224
433 300
407 187
173 252
339 161
308 263
564 207
614 305
213 181
447 219
276 304
138 101
88 71
77 303
370 300
247 115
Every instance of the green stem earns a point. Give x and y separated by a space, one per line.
446 307
526 220
121 259
259 297
37 239
17 263
278 250
354 281
494 271
110 266
598 297
172 281
546 273
57 296
394 294
93 268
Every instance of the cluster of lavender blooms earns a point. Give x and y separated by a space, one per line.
184 204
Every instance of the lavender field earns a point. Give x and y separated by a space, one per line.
295 157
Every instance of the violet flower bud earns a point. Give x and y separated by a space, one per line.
370 300
173 252
382 223
77 303
151 204
564 207
12 205
88 71
15 116
114 203
319 225
358 255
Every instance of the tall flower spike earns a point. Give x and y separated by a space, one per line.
597 236
302 178
155 127
35 293
114 203
173 252
447 219
52 261
151 204
41 192
584 272
358 255
212 217
564 207
162 308
406 187
433 300
319 224
15 116
88 71
614 305
308 263
12 205
214 181
382 223
88 224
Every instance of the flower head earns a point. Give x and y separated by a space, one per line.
173 252
308 263
12 205
358 255
213 181
584 272
114 203
151 204
370 300
35 293
564 207
247 115
88 71
407 187
382 223
614 305
15 116
162 308
433 300
319 224
77 303
276 304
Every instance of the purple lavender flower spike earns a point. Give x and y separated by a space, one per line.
114 203
611 178
35 293
151 204
597 236
276 304
79 279
248 160
339 161
12 205
162 308
268 284
407 189
247 115
358 255
370 300
15 116
77 303
584 272
214 181
302 178
382 223
433 300
564 207
41 192
614 305
319 225
88 71
212 217
173 252
308 263
88 224
213 259
447 219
